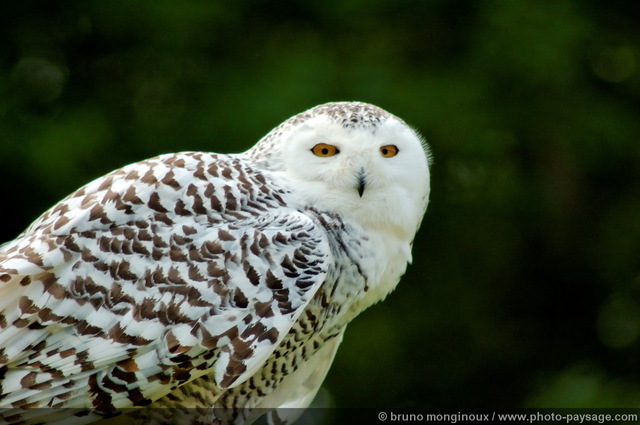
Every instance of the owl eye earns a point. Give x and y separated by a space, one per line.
388 151
324 150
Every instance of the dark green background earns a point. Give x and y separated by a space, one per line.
524 290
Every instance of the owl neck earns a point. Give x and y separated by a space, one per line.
383 269
370 262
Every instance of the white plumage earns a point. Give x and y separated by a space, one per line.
217 282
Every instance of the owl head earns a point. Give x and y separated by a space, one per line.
353 159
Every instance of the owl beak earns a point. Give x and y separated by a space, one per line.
361 182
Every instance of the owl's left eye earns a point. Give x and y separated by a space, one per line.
324 150
388 151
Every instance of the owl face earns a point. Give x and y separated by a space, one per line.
377 174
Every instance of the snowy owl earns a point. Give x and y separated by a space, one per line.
201 281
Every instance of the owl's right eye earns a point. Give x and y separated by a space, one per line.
323 150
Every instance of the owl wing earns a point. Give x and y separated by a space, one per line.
131 287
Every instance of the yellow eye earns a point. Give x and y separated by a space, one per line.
388 151
324 150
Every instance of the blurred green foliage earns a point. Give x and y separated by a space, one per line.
525 286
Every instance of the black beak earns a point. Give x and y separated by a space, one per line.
361 182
